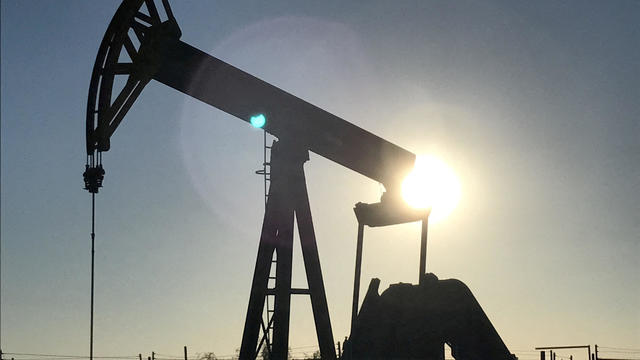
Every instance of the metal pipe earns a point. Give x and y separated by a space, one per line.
423 248
356 279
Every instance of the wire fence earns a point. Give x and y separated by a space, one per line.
304 352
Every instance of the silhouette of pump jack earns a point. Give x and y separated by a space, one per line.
415 321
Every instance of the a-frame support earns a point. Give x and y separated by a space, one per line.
288 198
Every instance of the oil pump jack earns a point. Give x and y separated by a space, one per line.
141 45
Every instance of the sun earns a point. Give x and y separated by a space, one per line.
432 184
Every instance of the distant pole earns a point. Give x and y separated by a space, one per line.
339 350
423 248
596 352
356 279
542 354
139 356
185 352
153 355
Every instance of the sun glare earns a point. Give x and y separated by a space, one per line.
432 184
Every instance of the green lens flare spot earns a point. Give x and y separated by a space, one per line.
258 121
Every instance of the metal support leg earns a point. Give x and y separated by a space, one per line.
288 197
260 281
423 249
356 278
284 266
313 270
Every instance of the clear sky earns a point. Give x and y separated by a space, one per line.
533 104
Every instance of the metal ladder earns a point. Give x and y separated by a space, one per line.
270 296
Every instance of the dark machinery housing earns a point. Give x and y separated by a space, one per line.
142 43
415 321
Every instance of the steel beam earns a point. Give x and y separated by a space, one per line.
219 84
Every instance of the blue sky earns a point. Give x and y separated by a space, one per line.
534 105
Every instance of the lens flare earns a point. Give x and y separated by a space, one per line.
432 184
258 121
